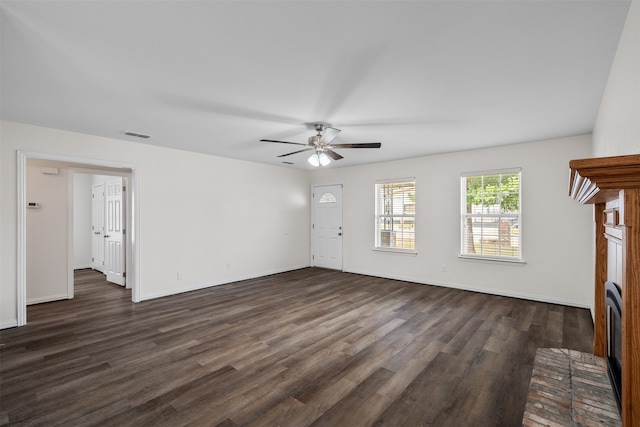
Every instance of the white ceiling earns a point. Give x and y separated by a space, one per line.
422 77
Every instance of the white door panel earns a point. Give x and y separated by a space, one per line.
327 226
114 251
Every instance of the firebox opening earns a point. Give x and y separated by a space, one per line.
613 301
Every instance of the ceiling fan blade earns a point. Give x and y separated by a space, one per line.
295 152
329 133
281 142
332 154
358 145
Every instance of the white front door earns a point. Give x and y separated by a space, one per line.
327 226
114 258
97 228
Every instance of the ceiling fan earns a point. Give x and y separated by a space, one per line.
321 144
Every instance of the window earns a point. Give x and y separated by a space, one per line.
395 215
328 198
490 218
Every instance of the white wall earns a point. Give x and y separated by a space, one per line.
617 128
82 220
556 231
47 275
200 214
215 220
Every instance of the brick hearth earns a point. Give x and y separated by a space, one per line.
570 388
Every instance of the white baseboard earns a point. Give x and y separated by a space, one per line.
465 287
8 325
531 297
82 267
218 283
490 291
47 298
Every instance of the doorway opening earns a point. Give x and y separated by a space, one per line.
100 224
76 165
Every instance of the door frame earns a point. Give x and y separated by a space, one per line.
313 214
76 164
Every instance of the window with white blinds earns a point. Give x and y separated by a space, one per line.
396 215
490 215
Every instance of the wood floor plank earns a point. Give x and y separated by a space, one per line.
306 347
361 406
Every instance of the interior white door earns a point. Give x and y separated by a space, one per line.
114 258
327 226
97 227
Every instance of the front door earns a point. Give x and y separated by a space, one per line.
327 226
114 258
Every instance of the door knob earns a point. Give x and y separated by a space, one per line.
339 234
106 235
96 232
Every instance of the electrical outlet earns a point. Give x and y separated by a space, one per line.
179 275
228 266
444 267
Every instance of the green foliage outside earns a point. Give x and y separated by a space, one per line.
501 189
492 190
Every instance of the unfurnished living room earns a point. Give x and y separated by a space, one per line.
320 213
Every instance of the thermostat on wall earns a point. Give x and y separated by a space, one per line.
33 205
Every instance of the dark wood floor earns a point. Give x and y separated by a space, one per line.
308 347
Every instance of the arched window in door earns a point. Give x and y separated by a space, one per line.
328 198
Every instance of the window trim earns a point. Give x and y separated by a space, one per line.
391 250
490 259
463 215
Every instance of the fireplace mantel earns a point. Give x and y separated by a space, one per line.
599 180
612 185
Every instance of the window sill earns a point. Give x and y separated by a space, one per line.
516 262
396 251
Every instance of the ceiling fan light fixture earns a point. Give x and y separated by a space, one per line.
319 159
314 160
322 147
324 159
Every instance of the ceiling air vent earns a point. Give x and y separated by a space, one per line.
136 134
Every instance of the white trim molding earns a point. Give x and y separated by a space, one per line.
489 291
49 298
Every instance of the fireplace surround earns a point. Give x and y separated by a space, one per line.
612 186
